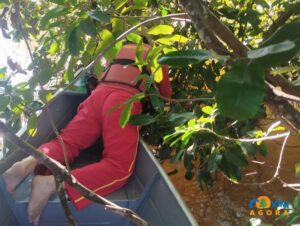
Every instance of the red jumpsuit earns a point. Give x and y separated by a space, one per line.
94 119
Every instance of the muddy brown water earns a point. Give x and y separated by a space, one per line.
227 204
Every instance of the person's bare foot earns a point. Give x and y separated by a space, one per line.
42 189
18 172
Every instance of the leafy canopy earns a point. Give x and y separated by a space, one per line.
67 35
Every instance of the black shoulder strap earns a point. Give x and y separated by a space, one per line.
123 61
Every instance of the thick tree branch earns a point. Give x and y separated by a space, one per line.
199 12
209 38
59 169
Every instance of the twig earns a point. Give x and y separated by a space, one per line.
63 200
50 118
276 173
172 100
81 72
59 169
281 93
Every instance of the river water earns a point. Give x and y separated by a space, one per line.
227 204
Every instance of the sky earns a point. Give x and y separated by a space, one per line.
17 52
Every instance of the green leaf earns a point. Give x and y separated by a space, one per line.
262 3
32 125
125 115
185 115
283 70
120 3
154 52
74 42
132 37
296 202
139 51
235 155
62 61
161 30
240 91
107 38
170 39
207 110
106 3
188 161
69 74
292 218
58 2
140 3
178 156
186 57
296 82
45 96
230 169
275 128
2 73
4 101
51 14
141 119
263 149
99 16
156 101
189 175
53 48
289 31
248 148
277 54
44 71
22 86
88 27
98 68
297 169
213 160
271 49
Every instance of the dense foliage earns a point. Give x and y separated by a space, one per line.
219 90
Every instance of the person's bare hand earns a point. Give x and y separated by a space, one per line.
18 172
42 189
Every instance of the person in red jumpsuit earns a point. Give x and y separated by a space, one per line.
93 119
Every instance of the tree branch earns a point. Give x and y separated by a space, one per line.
282 109
281 20
63 200
59 169
50 118
285 86
199 12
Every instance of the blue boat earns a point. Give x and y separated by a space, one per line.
148 192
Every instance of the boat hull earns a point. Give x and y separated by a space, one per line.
148 192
